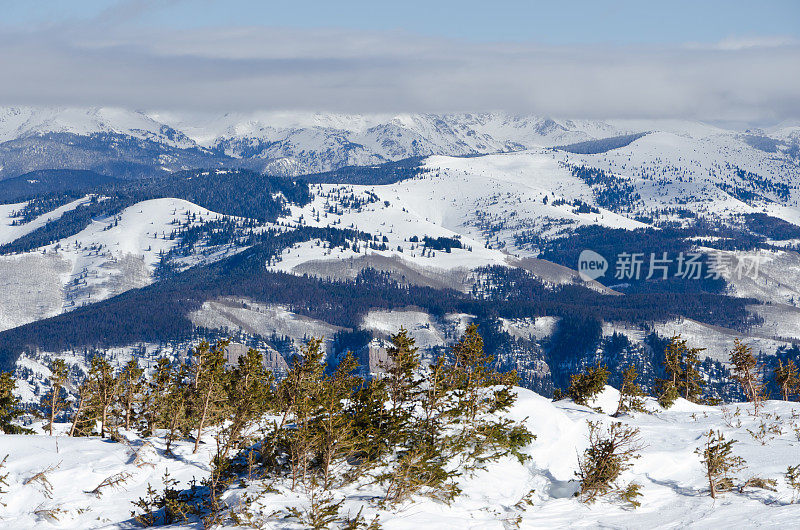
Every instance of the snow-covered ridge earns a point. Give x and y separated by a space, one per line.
673 485
307 142
108 257
20 122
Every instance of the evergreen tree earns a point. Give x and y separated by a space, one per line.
745 371
335 427
464 393
103 390
248 391
609 454
420 461
673 359
81 425
472 373
584 386
174 404
403 380
681 364
9 406
630 393
154 399
373 421
53 401
719 462
787 379
131 386
300 393
207 395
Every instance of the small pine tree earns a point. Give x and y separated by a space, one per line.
209 374
373 421
402 382
248 392
610 453
480 390
691 383
667 393
719 462
53 401
131 386
673 359
173 406
787 378
9 406
745 371
334 427
583 387
154 395
299 392
81 425
472 373
103 390
630 393
456 421
403 367
683 377
792 477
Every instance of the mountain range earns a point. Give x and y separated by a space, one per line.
136 233
135 143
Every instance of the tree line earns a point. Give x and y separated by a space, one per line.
317 429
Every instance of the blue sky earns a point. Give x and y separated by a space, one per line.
548 22
711 60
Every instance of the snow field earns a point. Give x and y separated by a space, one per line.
668 470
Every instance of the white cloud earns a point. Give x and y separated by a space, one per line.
242 69
743 43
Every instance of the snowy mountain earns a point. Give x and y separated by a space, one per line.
496 236
25 122
294 143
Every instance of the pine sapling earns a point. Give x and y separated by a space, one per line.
787 379
10 408
248 391
54 399
103 390
630 393
610 453
80 410
586 385
719 462
208 385
745 370
792 477
683 377
131 384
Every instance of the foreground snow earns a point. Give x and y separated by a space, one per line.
673 485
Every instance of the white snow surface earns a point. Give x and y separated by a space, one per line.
108 257
673 486
10 232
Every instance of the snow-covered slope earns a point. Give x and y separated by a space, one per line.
534 494
21 122
108 257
